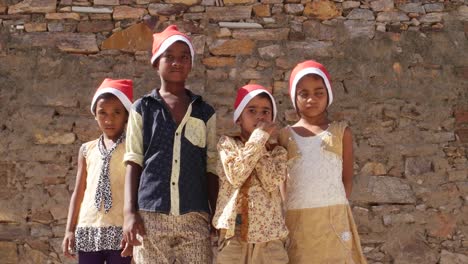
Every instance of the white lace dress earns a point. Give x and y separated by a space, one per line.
318 215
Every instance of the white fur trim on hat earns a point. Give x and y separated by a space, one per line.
303 73
246 100
168 42
120 95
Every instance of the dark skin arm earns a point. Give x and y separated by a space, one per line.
213 188
68 243
348 160
133 223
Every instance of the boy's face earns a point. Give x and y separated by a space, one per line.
311 96
259 109
175 64
111 117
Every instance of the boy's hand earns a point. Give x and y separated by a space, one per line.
68 245
133 225
269 127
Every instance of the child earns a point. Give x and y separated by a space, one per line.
249 208
95 217
318 215
170 134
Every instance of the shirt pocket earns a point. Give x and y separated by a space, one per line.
195 132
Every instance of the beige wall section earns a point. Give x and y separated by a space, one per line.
399 72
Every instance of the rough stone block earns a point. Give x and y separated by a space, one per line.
262 10
382 189
33 6
95 26
361 14
54 138
8 252
431 18
93 10
166 9
310 48
106 2
232 47
127 12
356 28
240 25
270 52
462 135
262 34
294 9
183 2
350 4
35 27
392 16
412 8
434 7
447 257
415 166
69 42
232 13
382 5
459 175
238 2
63 16
136 37
219 61
322 9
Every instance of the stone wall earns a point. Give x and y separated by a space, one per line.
399 70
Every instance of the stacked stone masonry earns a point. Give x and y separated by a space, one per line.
399 73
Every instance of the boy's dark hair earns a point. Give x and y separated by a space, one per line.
105 96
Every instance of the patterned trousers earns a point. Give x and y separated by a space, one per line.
174 239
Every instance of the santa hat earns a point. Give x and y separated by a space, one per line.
309 67
162 41
122 89
247 93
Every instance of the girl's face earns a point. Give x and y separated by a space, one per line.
311 96
175 63
111 117
259 109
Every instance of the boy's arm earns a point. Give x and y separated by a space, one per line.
271 169
348 160
134 160
75 203
212 159
239 162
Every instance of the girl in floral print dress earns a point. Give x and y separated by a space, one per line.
249 208
95 216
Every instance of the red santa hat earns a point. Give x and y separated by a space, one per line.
122 89
309 67
247 93
163 40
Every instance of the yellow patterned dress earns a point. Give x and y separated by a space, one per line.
318 216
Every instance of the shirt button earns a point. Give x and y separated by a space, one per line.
173 183
175 161
176 134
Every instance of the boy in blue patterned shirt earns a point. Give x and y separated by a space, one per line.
170 150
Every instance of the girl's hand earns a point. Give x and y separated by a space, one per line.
68 245
133 225
127 250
